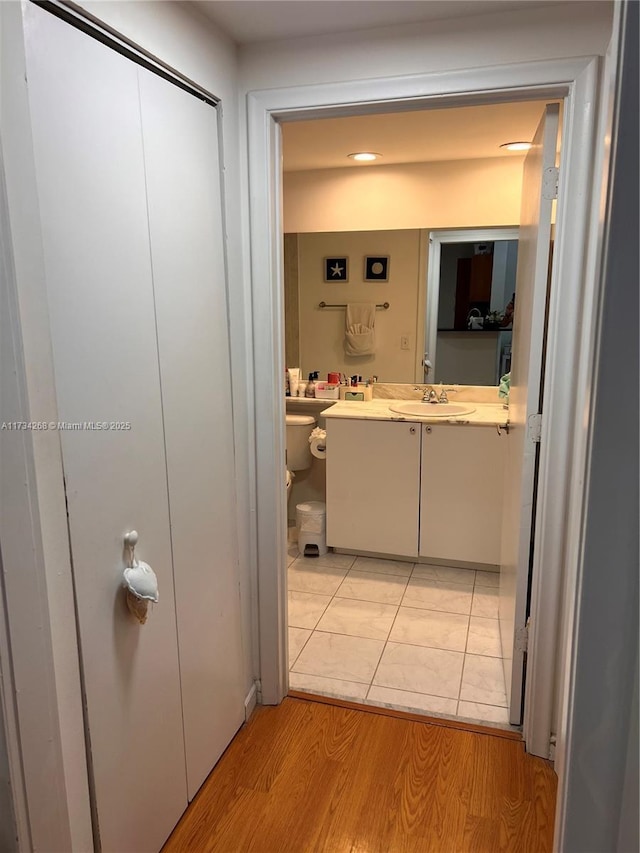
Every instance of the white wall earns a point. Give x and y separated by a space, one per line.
599 728
571 29
454 194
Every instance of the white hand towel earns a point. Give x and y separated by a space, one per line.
359 336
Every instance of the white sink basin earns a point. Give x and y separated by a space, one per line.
431 410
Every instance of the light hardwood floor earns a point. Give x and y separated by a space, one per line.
308 776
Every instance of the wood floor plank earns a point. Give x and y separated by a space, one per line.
308 777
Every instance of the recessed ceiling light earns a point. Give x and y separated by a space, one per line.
364 156
517 146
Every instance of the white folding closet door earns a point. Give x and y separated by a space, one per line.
128 176
90 173
187 252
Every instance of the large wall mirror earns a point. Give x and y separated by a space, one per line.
471 291
447 294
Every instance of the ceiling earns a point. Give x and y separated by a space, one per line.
461 133
249 21
410 137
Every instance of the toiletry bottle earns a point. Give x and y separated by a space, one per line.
310 390
287 392
294 379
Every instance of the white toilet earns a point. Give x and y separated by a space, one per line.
297 442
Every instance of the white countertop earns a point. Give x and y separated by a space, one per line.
484 414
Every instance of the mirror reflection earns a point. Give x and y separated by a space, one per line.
449 294
476 297
316 336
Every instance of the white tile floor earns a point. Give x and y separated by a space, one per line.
411 637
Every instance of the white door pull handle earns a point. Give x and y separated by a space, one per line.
140 580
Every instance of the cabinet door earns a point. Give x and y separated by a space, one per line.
373 486
461 493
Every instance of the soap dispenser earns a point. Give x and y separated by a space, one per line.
310 390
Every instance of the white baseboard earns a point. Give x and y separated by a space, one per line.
250 702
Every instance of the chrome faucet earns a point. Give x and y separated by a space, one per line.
429 395
443 396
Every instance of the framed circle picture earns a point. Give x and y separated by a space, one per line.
336 269
376 268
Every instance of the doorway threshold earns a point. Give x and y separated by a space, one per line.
512 733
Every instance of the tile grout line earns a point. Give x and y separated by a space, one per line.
332 599
330 678
399 642
386 642
391 604
464 657
292 663
487 657
313 630
319 617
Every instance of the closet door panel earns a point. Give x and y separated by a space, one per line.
186 230
89 162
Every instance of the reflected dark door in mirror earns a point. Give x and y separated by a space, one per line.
473 287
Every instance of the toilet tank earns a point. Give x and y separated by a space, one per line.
298 431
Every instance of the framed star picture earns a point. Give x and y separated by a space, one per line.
376 268
336 269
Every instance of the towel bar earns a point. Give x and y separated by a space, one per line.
384 305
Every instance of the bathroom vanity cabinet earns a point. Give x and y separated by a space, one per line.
415 489
373 485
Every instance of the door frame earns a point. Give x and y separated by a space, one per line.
570 344
436 238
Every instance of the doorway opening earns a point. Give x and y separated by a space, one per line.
564 443
380 624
